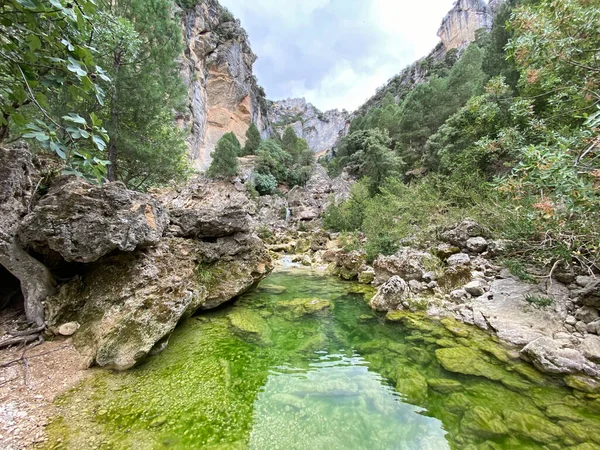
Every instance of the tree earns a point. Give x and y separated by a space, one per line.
141 47
45 50
290 142
252 140
231 137
224 163
272 159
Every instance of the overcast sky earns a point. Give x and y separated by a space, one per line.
335 53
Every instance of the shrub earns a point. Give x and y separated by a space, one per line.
265 184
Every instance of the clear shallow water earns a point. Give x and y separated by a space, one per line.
303 363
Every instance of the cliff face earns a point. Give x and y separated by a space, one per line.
320 129
223 94
463 20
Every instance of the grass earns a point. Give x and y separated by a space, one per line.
538 301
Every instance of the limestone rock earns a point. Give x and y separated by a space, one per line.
321 130
206 208
390 295
17 182
475 288
250 326
83 222
349 264
366 276
533 427
482 421
407 263
469 362
476 244
304 306
444 251
549 355
459 26
590 348
460 233
128 302
68 329
590 294
459 259
587 314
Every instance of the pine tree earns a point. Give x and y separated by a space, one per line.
252 140
231 137
290 142
224 163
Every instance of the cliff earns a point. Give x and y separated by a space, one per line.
463 20
223 93
320 129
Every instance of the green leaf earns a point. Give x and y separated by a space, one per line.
75 118
34 42
100 144
76 68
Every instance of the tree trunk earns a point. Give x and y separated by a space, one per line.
36 280
114 120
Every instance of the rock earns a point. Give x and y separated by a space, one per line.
83 222
349 264
550 356
498 247
306 261
250 326
390 295
590 294
127 302
571 320
68 329
581 326
444 385
483 422
458 295
469 362
590 348
411 384
583 384
459 234
407 263
532 427
593 327
416 286
459 259
366 276
272 289
584 281
587 314
303 306
509 315
205 208
476 244
444 251
475 288
17 184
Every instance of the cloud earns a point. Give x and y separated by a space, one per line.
335 53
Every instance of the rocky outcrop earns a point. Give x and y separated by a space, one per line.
129 303
320 129
223 94
17 182
205 208
462 21
83 222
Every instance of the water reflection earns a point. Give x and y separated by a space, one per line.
338 403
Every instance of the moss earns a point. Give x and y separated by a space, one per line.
469 362
483 422
302 306
583 384
444 385
533 427
250 326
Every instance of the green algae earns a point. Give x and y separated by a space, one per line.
276 370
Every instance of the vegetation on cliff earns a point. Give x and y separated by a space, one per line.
509 136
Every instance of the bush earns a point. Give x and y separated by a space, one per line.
224 163
265 184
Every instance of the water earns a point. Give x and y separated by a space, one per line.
303 363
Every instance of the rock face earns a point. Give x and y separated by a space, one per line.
223 94
462 21
321 130
129 302
83 222
16 196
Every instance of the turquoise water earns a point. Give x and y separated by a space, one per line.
303 363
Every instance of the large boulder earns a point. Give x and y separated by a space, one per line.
208 209
391 295
349 264
407 263
17 181
126 303
83 222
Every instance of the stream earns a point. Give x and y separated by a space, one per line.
302 362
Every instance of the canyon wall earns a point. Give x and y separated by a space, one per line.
320 129
223 94
462 21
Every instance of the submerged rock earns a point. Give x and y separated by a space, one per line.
444 385
469 362
303 306
83 222
250 326
484 422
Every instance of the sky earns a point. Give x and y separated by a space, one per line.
336 53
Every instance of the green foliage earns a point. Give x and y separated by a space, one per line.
265 184
273 160
252 140
224 163
264 232
515 266
538 301
45 49
231 137
289 142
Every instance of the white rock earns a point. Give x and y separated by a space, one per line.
459 259
477 244
68 329
590 348
476 288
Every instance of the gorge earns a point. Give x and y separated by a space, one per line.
420 273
